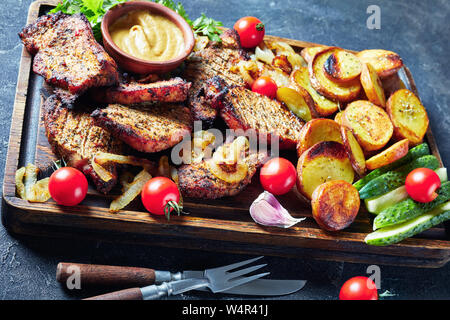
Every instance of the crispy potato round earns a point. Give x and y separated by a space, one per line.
298 101
335 205
309 52
396 151
354 151
325 161
372 85
331 90
318 130
323 106
342 66
339 118
385 62
408 116
369 123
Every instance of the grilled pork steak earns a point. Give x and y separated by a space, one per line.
132 92
197 181
66 53
75 138
215 59
244 109
147 128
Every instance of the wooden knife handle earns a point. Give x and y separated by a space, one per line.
127 294
92 274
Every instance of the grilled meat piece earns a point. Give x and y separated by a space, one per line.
244 109
147 128
197 181
215 59
75 138
132 92
66 53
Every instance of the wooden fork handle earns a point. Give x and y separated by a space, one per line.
127 294
103 275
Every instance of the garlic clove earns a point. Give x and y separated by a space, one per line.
267 211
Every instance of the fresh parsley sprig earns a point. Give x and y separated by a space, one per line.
94 10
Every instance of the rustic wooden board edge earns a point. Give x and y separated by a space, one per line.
440 254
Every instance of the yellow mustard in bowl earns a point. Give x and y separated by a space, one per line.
147 36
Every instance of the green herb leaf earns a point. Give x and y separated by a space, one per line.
94 10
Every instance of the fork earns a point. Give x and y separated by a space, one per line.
216 279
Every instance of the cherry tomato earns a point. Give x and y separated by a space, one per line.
265 86
160 196
251 31
278 176
358 288
68 186
421 184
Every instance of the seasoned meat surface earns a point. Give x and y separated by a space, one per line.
132 92
66 53
75 138
215 59
197 181
146 128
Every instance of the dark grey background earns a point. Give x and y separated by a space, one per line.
418 30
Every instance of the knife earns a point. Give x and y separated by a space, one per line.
117 276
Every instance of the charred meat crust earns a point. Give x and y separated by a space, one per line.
133 92
216 59
74 137
150 128
66 53
196 181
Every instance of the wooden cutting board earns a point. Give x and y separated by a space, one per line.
219 225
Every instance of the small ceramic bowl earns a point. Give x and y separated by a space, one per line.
136 65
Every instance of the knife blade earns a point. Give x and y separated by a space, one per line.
259 287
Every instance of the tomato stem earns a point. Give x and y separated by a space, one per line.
260 26
172 205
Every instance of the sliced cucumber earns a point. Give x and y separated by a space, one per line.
392 180
414 153
378 204
397 233
442 173
409 209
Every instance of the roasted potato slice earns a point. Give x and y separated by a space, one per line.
323 106
318 130
309 52
385 62
339 118
299 102
330 89
408 116
325 161
372 85
335 205
396 151
354 150
369 123
342 66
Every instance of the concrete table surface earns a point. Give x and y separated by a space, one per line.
417 30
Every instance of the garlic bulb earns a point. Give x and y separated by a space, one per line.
267 211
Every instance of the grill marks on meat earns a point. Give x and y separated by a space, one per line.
74 137
197 181
150 128
66 53
244 109
215 59
132 92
